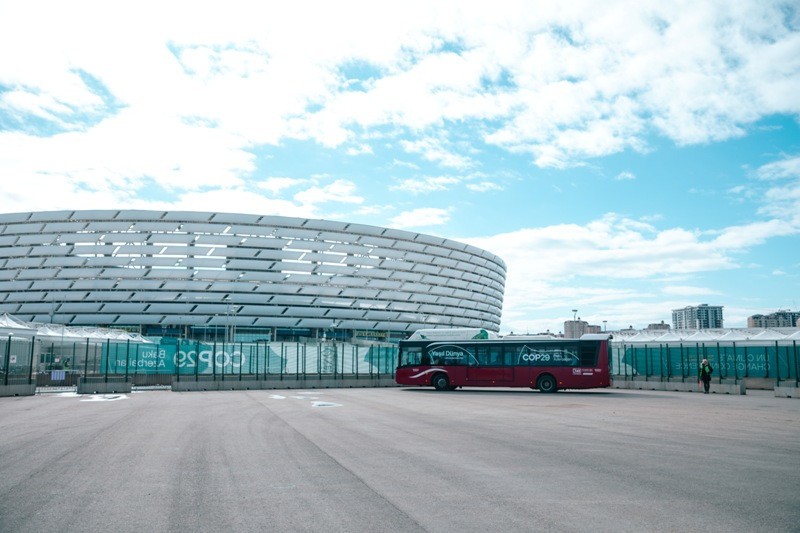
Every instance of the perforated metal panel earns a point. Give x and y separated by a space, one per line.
151 267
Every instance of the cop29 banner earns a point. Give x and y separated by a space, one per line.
188 358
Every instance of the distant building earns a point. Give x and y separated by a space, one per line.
573 329
703 316
778 319
662 325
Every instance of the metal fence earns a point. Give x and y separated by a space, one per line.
777 361
56 363
59 363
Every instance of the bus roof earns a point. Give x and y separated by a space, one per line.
596 336
451 334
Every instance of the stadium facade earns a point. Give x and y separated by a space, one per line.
241 277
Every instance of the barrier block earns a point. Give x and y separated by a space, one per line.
787 390
639 383
23 389
289 382
91 386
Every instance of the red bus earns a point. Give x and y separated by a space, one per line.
547 364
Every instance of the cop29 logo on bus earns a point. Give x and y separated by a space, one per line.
547 356
531 355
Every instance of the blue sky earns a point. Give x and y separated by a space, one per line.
623 162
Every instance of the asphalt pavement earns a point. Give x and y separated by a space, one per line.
400 460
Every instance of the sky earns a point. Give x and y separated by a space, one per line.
624 158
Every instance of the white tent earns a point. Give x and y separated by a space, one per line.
11 325
768 335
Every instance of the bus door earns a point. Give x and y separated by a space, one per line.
588 359
488 367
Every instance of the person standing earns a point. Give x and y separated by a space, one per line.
704 375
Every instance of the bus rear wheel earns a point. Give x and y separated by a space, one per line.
440 382
546 383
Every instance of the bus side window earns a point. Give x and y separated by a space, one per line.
588 354
411 356
482 354
495 356
509 356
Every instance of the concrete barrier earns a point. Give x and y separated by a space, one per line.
308 382
640 383
18 389
99 386
787 390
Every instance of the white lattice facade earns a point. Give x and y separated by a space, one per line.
198 269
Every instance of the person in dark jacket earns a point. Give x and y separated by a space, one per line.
704 375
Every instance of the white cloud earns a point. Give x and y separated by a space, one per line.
563 83
342 191
484 186
782 199
564 265
420 218
687 290
434 150
232 201
361 149
425 185
623 176
406 164
277 184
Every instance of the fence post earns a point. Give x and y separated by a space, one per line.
108 356
8 358
622 354
127 358
86 360
176 359
136 364
788 365
214 361
719 364
30 368
697 357
746 363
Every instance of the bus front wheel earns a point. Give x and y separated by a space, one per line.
440 382
546 383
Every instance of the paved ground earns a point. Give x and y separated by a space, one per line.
400 460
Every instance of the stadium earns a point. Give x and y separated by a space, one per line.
241 278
